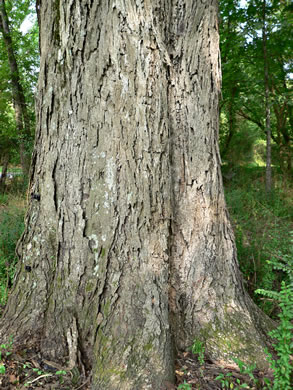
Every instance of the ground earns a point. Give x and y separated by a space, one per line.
25 370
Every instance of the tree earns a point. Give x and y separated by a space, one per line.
244 61
232 43
267 100
7 134
128 253
17 77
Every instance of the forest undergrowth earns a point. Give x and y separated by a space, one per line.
263 227
12 209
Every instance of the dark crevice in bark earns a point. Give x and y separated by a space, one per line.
55 195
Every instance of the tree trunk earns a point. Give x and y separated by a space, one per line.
19 103
231 122
282 115
267 105
128 253
4 161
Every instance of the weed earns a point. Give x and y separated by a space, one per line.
283 345
247 370
5 350
2 368
61 374
185 386
199 350
261 227
43 374
227 382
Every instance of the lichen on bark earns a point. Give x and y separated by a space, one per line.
232 337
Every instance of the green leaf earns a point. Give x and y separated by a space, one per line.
2 369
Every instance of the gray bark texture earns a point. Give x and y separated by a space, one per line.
131 251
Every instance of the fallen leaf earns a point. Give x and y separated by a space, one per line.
193 381
13 378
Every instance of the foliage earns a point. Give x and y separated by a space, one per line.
199 350
5 350
42 374
261 227
243 74
25 46
11 227
227 382
282 335
184 386
246 146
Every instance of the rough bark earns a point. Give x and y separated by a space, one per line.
19 101
127 236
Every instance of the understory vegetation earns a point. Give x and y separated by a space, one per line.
12 208
263 231
263 228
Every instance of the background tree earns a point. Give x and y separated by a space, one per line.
232 43
128 253
267 100
243 61
7 137
260 237
19 61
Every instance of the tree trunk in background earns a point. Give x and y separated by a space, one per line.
283 114
4 161
19 103
267 105
131 251
231 122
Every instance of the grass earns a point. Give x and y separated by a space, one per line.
262 227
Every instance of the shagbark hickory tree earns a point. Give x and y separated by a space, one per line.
129 247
